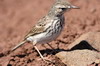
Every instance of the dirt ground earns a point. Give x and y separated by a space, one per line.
18 16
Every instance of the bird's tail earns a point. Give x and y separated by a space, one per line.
20 44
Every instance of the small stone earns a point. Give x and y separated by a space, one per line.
78 57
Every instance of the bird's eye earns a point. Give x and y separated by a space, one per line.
63 8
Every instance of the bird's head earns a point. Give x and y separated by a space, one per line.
62 6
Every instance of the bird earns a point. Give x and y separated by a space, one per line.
49 27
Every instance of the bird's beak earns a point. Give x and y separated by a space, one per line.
73 7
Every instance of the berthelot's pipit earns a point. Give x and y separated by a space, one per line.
49 27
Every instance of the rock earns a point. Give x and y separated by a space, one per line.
79 57
90 40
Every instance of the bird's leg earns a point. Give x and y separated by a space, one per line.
39 53
50 46
44 59
34 44
54 51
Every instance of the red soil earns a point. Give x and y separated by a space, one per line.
18 16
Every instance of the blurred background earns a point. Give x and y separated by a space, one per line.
18 16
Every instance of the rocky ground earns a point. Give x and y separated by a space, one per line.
18 16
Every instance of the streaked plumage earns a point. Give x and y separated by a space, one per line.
49 27
46 30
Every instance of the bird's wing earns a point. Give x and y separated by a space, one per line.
38 28
35 30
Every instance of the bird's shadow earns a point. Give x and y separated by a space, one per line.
51 51
81 46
